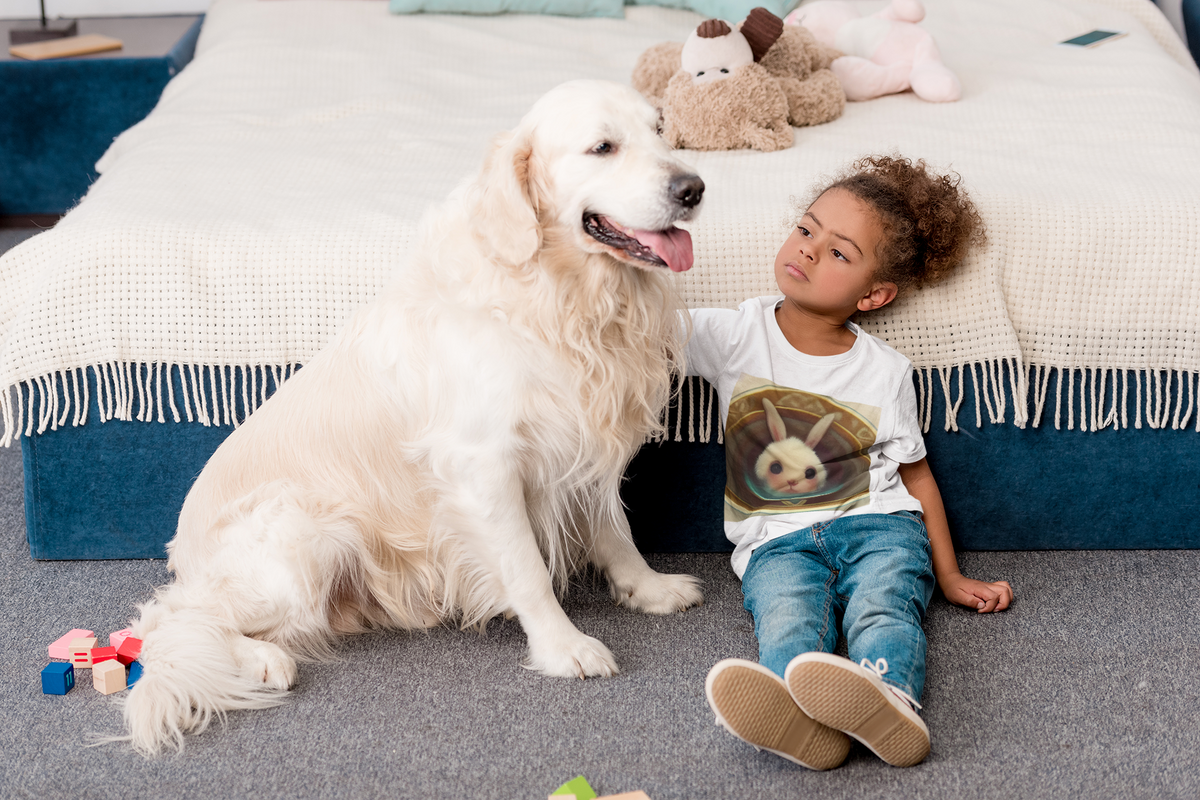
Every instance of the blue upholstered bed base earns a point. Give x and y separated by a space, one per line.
114 489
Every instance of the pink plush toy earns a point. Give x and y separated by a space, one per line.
886 52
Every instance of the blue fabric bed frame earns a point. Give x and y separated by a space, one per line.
114 489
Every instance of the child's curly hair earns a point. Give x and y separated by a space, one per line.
929 224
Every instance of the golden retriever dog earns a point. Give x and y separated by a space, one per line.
456 451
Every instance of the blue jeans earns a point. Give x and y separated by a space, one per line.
872 571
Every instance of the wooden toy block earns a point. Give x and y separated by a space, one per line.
58 678
561 797
116 637
135 672
638 795
129 650
61 648
81 652
104 654
108 676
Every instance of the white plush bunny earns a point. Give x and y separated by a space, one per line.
788 465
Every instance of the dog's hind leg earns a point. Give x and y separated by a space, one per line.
192 674
631 581
265 572
264 662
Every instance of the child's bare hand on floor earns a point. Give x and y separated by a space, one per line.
981 596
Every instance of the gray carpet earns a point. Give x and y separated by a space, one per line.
1086 688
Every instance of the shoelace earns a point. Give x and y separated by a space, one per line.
879 668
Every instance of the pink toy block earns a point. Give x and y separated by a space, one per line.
108 676
639 795
129 650
116 637
104 654
61 648
81 652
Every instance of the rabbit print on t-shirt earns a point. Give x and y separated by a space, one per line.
788 450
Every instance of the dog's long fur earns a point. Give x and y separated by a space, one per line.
456 452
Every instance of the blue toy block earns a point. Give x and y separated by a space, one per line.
135 672
58 678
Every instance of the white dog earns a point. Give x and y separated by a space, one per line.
457 450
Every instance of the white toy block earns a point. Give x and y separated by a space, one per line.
81 652
108 676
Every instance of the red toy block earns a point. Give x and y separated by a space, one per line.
81 652
100 654
129 650
61 648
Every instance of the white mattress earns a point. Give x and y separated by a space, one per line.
278 183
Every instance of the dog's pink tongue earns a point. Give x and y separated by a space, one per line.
673 246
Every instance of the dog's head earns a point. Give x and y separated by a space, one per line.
587 163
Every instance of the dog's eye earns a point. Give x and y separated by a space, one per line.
604 149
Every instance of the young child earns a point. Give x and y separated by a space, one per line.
836 518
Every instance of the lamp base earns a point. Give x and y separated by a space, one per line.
56 29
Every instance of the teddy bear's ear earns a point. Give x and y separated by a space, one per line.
713 29
761 29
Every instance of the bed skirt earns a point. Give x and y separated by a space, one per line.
110 487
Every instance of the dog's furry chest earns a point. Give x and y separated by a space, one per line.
586 416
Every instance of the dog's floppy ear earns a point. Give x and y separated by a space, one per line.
505 213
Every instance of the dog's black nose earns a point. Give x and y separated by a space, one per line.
687 190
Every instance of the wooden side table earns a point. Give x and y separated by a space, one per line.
57 117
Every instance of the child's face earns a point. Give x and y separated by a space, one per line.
828 264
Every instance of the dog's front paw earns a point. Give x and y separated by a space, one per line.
659 594
583 657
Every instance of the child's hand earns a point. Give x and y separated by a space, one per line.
983 597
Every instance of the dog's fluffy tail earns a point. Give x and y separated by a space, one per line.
191 676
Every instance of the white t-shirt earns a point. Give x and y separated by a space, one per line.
807 438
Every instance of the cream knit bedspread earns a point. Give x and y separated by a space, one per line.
277 185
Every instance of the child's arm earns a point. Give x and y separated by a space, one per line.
959 590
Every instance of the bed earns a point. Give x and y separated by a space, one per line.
277 185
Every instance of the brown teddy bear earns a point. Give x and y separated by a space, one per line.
725 89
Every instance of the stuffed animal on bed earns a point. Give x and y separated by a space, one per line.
727 88
886 52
